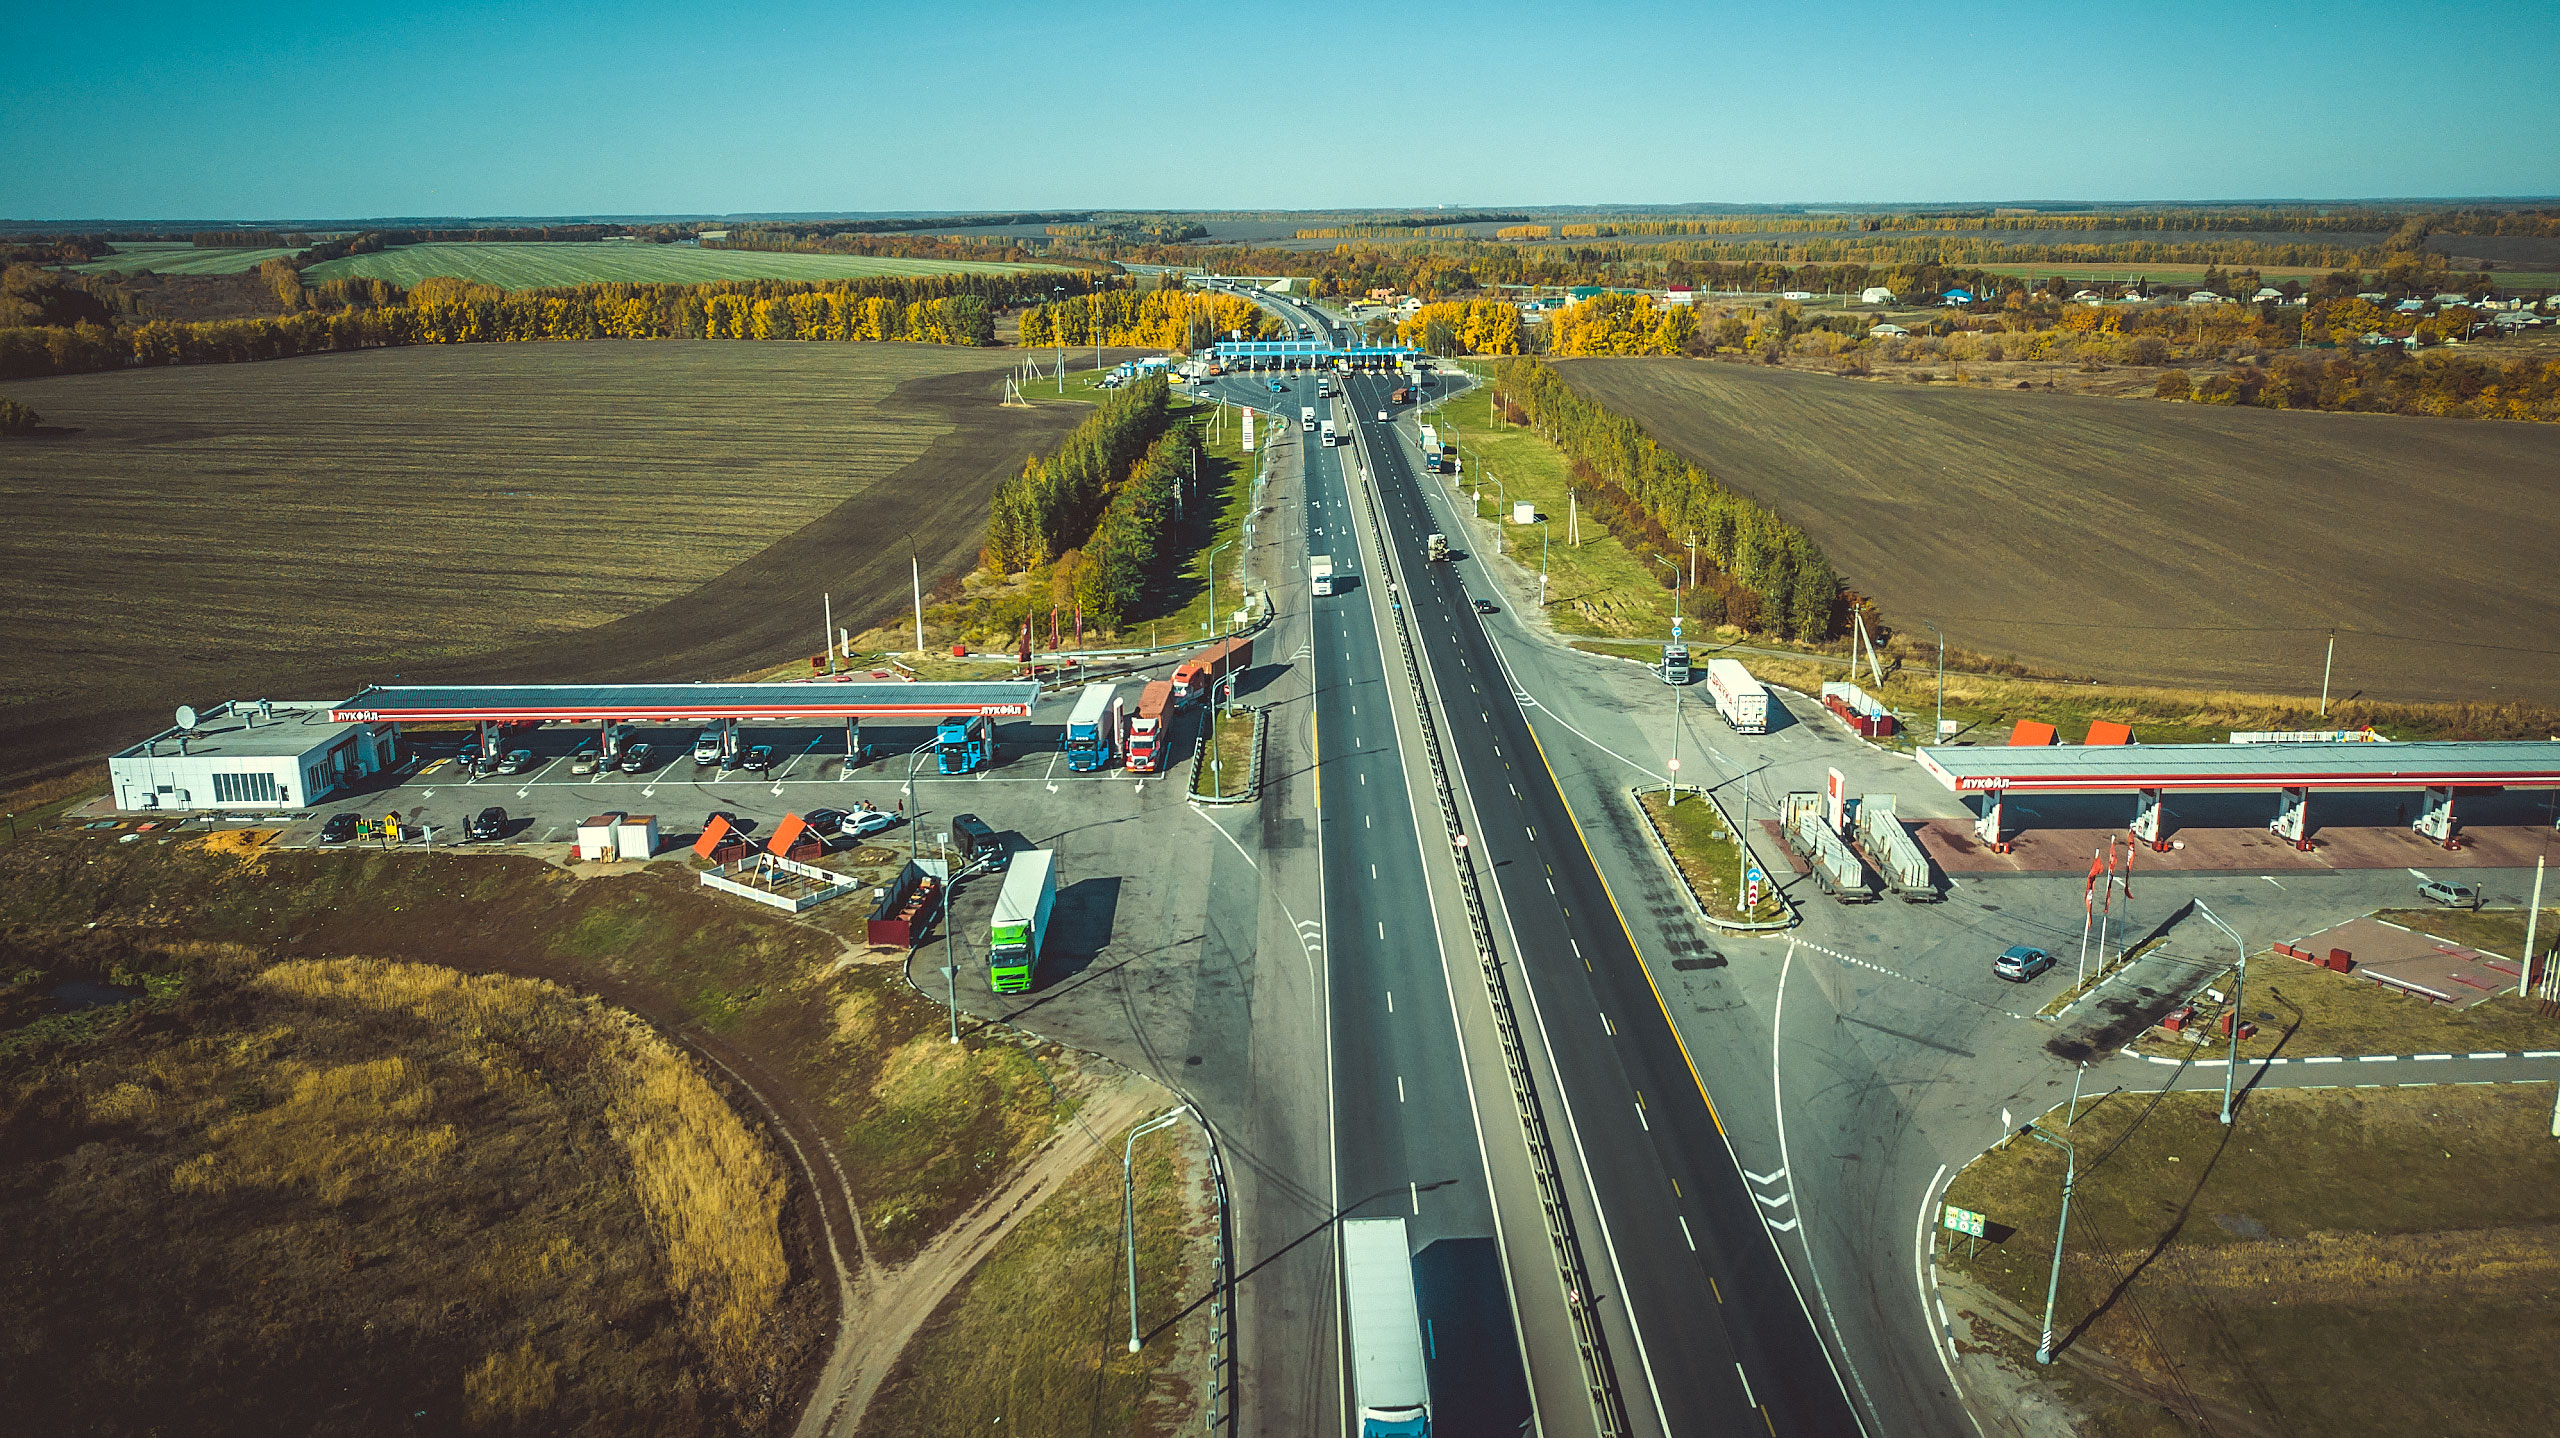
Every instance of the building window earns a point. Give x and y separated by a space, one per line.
244 788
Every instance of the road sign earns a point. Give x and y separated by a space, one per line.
1751 889
1961 1220
1675 628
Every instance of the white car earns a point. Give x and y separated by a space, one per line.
865 822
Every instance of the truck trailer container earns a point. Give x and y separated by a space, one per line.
1739 697
1320 574
1307 418
1148 740
1202 671
1093 729
1388 1379
1020 928
964 744
1329 440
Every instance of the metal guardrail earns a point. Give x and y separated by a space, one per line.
1600 1381
1835 865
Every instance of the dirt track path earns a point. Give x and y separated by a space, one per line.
884 1309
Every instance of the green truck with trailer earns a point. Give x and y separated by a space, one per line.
1021 925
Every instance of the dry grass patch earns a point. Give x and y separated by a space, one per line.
2338 1261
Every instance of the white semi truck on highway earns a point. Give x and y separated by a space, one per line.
1739 697
1388 1379
1320 573
1307 418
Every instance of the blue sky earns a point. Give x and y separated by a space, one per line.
318 110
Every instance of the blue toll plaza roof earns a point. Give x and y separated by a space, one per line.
2244 768
1229 350
816 699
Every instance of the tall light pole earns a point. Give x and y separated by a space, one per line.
1671 786
1939 734
1129 1211
2053 1285
2239 986
1543 536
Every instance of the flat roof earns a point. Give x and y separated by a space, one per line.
529 703
2123 768
229 732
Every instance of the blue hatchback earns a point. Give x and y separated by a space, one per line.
2021 963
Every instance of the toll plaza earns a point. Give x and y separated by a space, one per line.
2287 773
1307 354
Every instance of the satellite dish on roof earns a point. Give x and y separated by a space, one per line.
186 716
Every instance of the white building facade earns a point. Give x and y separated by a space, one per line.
251 755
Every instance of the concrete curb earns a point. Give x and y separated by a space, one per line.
1252 789
1662 850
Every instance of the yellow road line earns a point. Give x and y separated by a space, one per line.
1632 946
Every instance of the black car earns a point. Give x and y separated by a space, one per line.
635 758
759 758
1485 606
823 822
339 829
489 823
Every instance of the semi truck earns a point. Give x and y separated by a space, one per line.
1739 697
1201 672
1148 740
1307 418
1093 729
1436 547
964 744
1320 574
1400 395
1388 1379
1675 663
1020 927
1329 440
1435 455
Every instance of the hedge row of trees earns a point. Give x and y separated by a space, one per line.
1621 325
1475 327
1163 318
1797 591
1054 504
2382 381
1126 555
940 309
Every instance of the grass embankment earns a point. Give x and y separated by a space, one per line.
1703 846
480 1200
2364 1261
1597 587
2316 1012
1231 746
924 1129
980 1367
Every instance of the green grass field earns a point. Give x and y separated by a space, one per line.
180 259
532 266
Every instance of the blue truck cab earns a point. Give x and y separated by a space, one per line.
964 744
1093 729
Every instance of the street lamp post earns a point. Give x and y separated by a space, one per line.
1671 788
1543 536
2053 1285
1939 734
2239 986
1129 1211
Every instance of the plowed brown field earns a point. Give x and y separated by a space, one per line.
536 512
2147 542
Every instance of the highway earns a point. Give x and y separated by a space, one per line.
1718 1320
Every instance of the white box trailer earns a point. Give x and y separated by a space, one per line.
1320 572
1741 699
1388 1380
1307 418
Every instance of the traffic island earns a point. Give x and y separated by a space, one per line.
2334 1261
1227 767
1698 840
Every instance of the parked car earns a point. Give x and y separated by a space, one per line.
1485 606
2021 963
976 841
635 758
759 758
2452 896
339 829
489 823
516 762
824 822
469 757
867 822
585 761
